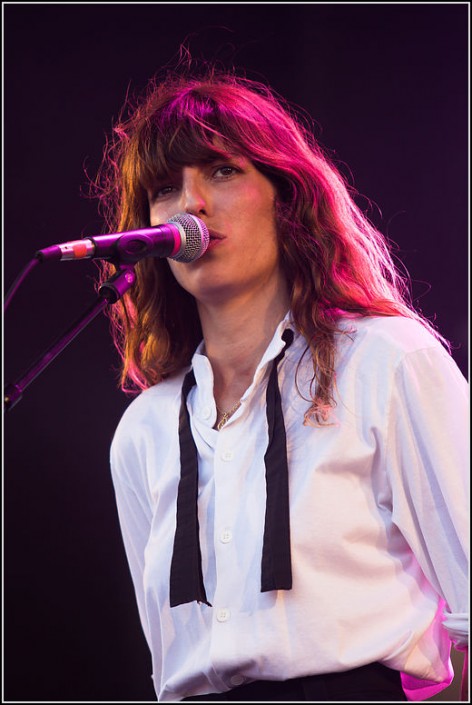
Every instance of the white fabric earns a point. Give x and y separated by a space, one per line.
378 516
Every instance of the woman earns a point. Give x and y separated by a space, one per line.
291 480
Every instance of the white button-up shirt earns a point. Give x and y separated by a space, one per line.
378 518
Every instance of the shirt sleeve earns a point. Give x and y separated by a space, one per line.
134 510
428 465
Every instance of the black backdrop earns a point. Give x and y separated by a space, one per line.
387 86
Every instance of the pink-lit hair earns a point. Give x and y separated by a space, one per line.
336 262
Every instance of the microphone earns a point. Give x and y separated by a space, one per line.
184 238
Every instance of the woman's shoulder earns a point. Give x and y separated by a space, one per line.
153 406
397 333
379 345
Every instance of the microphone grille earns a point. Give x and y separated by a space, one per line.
195 237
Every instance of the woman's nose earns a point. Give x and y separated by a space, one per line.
193 195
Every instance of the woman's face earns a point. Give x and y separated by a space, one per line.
237 203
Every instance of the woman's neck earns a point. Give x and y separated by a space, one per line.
236 336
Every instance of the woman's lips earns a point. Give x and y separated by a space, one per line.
215 238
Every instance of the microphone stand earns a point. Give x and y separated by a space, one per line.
109 293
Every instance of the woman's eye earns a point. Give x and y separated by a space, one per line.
225 171
163 191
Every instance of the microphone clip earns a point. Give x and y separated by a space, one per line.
114 288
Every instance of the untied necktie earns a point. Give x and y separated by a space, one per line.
186 576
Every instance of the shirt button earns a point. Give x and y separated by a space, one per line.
227 455
206 412
226 536
222 615
237 680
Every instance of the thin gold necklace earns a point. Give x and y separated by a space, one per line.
225 415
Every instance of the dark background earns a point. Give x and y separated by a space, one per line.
387 87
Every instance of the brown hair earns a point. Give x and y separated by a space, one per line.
336 262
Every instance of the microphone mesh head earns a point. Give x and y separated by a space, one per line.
195 237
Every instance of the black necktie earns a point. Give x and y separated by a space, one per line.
186 577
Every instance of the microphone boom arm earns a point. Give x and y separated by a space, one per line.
109 293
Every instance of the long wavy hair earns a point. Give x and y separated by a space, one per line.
336 262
